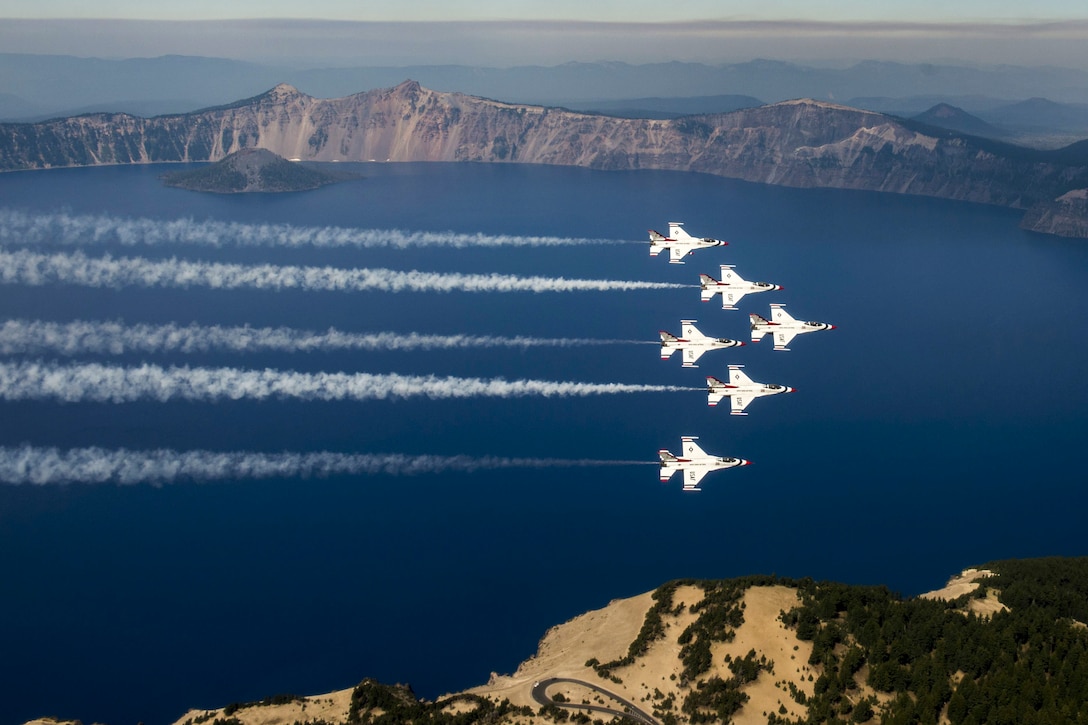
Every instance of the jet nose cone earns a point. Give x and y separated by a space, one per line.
791 390
831 327
745 462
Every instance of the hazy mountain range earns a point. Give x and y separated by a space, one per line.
35 87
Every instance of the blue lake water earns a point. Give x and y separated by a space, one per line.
940 426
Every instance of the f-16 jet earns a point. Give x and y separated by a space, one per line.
731 287
692 342
783 327
740 390
694 462
679 243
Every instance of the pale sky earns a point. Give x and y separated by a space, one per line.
599 10
503 33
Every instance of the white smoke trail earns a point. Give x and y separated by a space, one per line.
45 466
115 384
18 227
115 338
30 268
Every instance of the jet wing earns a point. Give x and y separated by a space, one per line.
690 331
730 298
691 354
692 476
738 376
737 404
691 449
677 254
782 338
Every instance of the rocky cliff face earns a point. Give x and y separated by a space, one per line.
1066 216
796 143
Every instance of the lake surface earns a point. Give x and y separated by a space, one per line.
940 426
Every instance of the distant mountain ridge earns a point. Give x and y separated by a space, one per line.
53 85
801 143
952 118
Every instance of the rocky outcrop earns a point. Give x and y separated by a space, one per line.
1066 216
796 143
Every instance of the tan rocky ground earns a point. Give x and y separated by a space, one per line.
656 675
331 707
564 650
763 632
967 582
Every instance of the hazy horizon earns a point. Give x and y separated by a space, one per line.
517 42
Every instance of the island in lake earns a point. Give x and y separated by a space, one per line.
254 169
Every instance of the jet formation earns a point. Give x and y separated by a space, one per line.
782 327
694 463
741 390
679 243
692 343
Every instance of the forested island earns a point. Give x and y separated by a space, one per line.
253 169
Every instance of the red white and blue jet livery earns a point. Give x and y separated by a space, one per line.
692 343
694 463
782 327
741 390
679 243
731 287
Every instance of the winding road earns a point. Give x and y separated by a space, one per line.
630 712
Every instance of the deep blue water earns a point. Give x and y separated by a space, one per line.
940 426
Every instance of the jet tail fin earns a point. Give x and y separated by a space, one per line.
708 290
759 326
715 390
667 342
668 466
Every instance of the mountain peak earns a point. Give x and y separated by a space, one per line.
408 86
947 116
283 90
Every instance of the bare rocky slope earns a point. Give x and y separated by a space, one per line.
800 143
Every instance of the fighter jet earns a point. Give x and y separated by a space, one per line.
740 389
694 462
692 342
679 243
731 287
782 326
